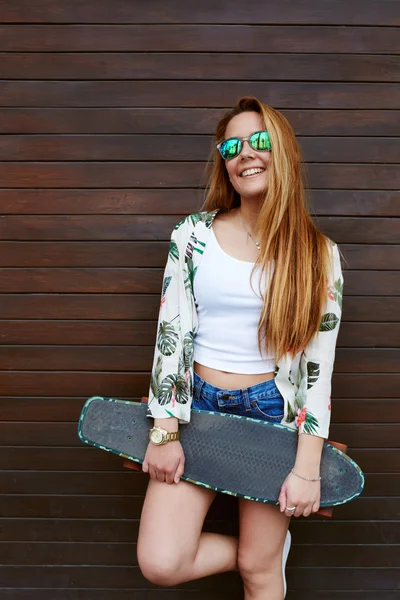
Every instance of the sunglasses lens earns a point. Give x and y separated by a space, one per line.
260 141
230 148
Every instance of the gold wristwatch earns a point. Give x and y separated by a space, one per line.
158 436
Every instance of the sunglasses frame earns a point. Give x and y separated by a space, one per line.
241 140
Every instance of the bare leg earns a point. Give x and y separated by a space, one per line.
171 547
262 535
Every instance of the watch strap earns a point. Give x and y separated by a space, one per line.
172 436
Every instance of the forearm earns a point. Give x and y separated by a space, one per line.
308 457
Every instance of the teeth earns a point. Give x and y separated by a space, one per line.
249 172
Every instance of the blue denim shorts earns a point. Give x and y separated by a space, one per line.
260 401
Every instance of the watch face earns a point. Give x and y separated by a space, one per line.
156 436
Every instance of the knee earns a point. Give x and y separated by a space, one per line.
160 570
255 569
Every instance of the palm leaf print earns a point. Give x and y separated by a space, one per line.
328 322
338 293
173 388
173 250
311 424
189 251
155 377
166 282
312 374
167 338
291 415
191 272
181 363
180 224
188 350
195 218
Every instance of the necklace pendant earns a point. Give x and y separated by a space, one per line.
257 244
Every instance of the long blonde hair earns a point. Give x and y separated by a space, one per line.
297 291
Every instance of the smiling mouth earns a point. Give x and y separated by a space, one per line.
252 172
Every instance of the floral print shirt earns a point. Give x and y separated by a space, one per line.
304 381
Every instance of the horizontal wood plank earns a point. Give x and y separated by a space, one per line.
128 507
344 411
50 120
372 12
145 281
198 38
89 459
22 383
179 175
124 333
178 202
197 94
140 358
127 333
312 530
45 553
115 594
17 436
148 281
115 307
182 148
350 230
199 66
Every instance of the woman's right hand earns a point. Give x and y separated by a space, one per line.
165 462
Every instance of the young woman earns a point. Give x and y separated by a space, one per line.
249 317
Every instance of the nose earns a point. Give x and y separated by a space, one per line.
247 150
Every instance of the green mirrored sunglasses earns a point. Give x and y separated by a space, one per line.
232 147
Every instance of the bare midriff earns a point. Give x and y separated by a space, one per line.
230 381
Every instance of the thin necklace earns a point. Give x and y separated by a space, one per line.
247 231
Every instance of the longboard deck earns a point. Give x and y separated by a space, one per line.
244 457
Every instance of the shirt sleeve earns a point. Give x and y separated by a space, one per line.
317 359
169 388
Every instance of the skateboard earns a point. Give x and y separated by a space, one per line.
239 456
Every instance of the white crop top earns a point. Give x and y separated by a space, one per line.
228 313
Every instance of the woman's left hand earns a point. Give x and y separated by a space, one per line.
304 495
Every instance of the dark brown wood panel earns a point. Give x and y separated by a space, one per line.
199 66
88 594
120 281
140 358
181 148
22 383
44 459
125 554
88 332
127 333
80 306
128 507
190 174
197 94
67 409
315 530
180 202
107 114
382 439
138 307
148 281
149 254
158 228
160 121
198 38
341 12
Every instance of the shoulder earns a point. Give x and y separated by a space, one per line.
193 222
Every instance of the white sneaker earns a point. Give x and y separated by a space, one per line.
286 548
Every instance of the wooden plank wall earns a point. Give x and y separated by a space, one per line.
106 112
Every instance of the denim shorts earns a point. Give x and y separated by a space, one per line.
260 401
